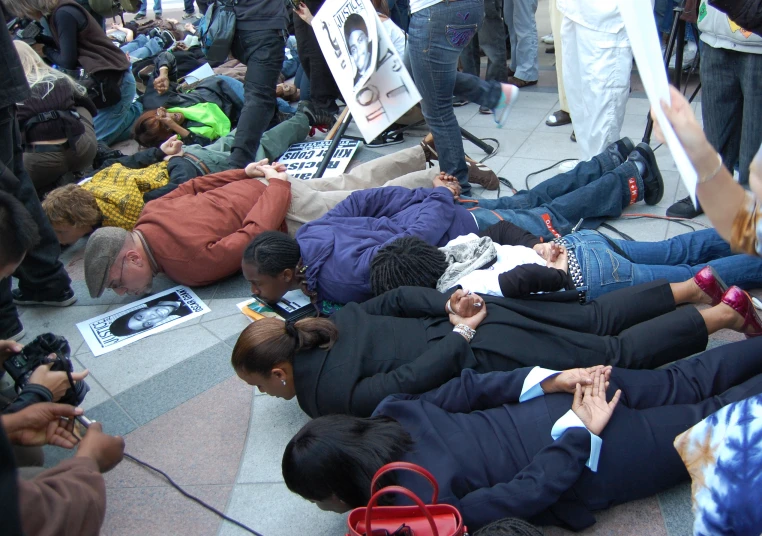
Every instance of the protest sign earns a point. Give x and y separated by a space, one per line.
303 159
367 68
140 319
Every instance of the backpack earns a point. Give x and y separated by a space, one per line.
216 31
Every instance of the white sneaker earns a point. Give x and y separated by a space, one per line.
689 54
548 39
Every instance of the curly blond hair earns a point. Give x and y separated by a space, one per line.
72 205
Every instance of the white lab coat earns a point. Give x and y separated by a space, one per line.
597 62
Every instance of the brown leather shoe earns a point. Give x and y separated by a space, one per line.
481 174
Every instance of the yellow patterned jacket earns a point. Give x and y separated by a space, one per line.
119 191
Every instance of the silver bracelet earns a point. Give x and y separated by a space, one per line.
449 309
466 331
712 175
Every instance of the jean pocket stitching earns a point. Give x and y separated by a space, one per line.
459 35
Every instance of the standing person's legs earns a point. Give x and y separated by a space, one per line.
437 36
189 8
143 10
520 17
722 102
41 275
157 7
323 88
262 51
555 23
491 39
203 5
114 123
596 103
751 131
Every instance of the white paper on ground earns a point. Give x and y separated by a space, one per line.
640 24
203 72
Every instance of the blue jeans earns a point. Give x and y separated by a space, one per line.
235 85
156 7
303 83
114 123
436 38
595 189
262 51
677 259
522 28
664 13
491 39
143 47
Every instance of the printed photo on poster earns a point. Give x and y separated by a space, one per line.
378 89
138 320
303 159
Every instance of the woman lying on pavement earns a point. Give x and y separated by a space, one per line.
511 262
532 443
404 341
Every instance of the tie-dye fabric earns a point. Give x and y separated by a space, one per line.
723 454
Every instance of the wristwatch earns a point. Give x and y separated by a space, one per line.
466 331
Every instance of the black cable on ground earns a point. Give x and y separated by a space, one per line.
192 497
526 180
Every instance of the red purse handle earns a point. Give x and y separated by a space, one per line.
402 491
409 467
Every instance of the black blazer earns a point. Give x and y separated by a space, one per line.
402 342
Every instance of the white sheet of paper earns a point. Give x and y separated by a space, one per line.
639 22
205 71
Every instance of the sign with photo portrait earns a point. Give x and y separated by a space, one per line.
365 64
137 320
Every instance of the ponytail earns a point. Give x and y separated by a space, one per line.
269 342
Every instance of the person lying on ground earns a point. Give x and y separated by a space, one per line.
69 498
404 342
334 252
195 234
548 447
115 196
199 124
508 261
733 211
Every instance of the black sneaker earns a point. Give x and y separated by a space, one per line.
139 16
684 209
621 149
652 178
64 299
317 116
386 138
16 333
457 102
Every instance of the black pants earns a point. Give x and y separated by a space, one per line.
634 327
262 51
41 273
638 458
323 88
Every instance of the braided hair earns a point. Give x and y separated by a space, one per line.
272 252
510 526
407 261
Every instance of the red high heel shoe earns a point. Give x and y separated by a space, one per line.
711 284
741 303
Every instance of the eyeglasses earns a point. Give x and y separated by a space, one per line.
118 284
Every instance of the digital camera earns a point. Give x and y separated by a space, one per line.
21 365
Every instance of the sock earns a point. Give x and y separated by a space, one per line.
641 167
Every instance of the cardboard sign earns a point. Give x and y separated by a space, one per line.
138 320
365 64
303 159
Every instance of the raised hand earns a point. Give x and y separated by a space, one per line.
304 13
172 147
567 381
590 403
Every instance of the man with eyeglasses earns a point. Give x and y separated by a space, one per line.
195 235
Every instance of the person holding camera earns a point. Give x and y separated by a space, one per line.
73 492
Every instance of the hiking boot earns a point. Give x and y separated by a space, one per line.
652 179
63 299
684 209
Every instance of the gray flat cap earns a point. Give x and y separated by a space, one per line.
102 249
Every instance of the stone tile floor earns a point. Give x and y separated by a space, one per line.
180 407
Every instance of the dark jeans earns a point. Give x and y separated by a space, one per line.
323 88
731 100
202 6
262 51
189 7
595 189
491 39
41 273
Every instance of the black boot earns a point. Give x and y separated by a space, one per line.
652 178
620 150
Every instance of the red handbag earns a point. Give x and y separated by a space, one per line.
419 520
